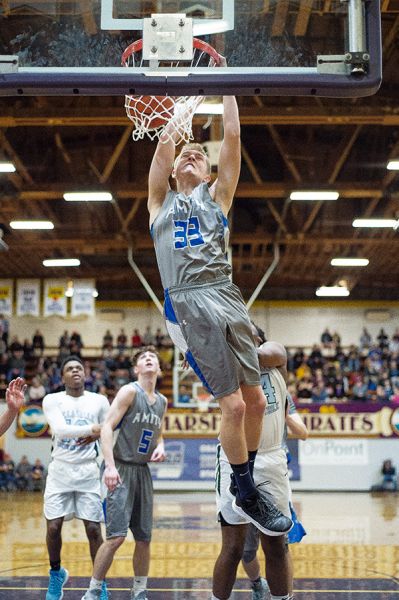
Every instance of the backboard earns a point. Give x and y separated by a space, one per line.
273 47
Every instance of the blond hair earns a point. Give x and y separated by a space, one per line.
197 148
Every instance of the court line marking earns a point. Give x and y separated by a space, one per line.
244 591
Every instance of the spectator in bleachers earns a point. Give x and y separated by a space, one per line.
136 339
23 474
15 345
394 344
121 341
336 339
64 340
36 390
359 390
388 471
3 386
326 338
38 476
4 328
108 340
365 339
28 349
76 343
319 393
303 371
38 343
315 360
148 337
159 338
304 389
7 473
382 338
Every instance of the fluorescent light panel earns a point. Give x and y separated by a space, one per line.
349 262
393 165
88 196
31 225
61 262
7 167
314 195
334 290
206 108
389 223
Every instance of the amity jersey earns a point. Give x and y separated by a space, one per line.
204 311
140 428
190 235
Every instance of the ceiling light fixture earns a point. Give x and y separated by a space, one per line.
207 108
333 290
88 197
314 195
388 223
393 165
349 262
31 225
7 167
61 262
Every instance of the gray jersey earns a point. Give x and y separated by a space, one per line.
273 429
140 428
190 235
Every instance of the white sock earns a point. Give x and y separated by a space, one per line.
139 584
95 584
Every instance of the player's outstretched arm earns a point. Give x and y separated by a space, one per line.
15 396
119 407
160 171
229 166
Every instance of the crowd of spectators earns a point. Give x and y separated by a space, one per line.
325 373
368 372
23 477
105 374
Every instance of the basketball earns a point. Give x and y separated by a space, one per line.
152 111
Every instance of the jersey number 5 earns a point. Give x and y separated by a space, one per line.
188 233
145 441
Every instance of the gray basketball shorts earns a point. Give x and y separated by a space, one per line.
130 505
210 324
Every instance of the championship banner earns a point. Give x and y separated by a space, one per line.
31 422
55 300
83 299
6 296
351 420
28 297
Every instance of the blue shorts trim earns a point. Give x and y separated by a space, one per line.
191 361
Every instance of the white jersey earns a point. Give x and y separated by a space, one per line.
273 428
71 418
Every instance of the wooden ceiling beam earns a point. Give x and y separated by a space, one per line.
244 190
269 115
112 245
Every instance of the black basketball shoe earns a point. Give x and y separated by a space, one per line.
261 511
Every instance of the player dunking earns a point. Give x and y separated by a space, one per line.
205 313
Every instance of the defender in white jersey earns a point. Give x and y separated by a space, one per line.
73 481
205 312
271 477
137 413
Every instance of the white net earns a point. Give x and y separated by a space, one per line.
166 118
162 117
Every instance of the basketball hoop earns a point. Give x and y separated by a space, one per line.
166 117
